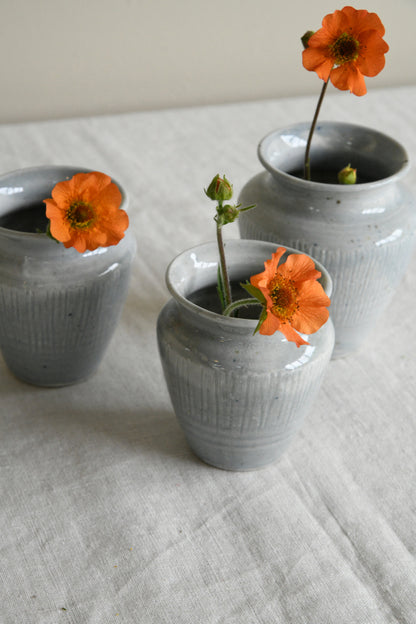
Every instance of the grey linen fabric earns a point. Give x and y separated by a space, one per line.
105 514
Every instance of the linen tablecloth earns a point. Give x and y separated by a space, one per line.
106 516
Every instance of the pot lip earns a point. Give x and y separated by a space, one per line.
322 186
269 247
71 171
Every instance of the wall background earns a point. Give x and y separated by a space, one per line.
82 57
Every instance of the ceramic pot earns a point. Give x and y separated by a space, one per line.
238 397
58 307
362 233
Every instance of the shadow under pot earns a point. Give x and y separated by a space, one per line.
58 307
239 397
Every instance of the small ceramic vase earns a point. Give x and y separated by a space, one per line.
58 307
238 396
363 234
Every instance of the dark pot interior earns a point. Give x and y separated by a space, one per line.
28 219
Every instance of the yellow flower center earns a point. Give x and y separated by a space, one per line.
344 49
80 214
284 296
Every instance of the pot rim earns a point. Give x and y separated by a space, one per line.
175 283
38 169
265 143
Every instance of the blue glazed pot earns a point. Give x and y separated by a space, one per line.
363 234
239 397
58 307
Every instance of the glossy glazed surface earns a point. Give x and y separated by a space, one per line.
363 234
58 308
239 397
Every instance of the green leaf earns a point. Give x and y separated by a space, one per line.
246 208
254 292
48 232
262 318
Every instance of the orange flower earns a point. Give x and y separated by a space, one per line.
348 47
84 212
295 301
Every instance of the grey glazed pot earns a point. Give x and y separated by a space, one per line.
363 234
58 308
238 397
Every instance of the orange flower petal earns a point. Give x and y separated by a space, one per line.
58 226
315 59
335 23
348 77
270 325
299 267
109 197
270 267
85 213
360 20
294 300
371 61
291 335
330 55
83 186
313 312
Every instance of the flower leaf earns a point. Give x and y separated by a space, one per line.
254 292
49 233
262 318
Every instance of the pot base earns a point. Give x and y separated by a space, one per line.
243 457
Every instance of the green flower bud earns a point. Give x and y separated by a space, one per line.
348 175
305 38
220 189
227 214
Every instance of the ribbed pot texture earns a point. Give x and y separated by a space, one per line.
363 234
58 308
238 397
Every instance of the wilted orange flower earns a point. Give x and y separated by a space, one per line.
295 301
348 47
85 212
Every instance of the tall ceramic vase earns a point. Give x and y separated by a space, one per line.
362 233
58 308
238 397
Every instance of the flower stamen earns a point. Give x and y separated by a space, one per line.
284 295
84 212
80 214
293 301
345 49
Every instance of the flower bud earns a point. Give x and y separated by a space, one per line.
348 175
305 38
220 189
227 214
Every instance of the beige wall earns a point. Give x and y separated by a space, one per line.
80 57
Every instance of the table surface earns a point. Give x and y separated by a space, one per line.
106 515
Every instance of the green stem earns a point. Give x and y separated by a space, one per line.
239 304
307 165
224 272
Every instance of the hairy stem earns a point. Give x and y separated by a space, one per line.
224 272
307 164
239 304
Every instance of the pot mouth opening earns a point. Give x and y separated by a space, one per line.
207 298
28 219
377 157
191 279
22 191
